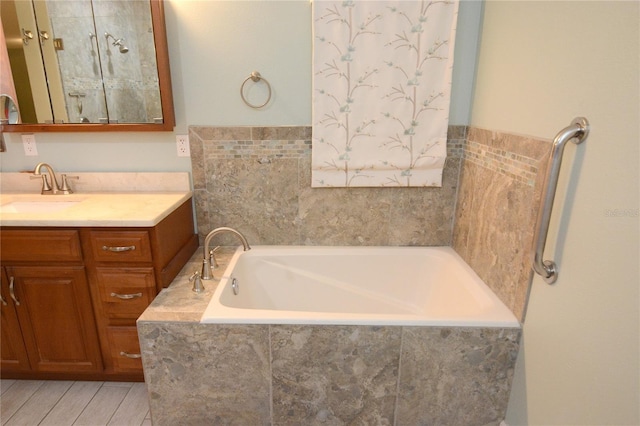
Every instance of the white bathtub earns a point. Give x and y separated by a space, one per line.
423 286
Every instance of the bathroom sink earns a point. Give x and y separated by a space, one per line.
37 206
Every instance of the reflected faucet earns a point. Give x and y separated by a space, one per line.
53 188
206 263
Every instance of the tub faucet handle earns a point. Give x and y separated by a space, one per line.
198 287
212 258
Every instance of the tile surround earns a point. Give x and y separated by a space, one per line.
258 180
314 375
455 376
497 203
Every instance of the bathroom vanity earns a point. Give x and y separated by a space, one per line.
75 278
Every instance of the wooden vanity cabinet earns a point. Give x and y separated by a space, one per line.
13 353
81 291
47 315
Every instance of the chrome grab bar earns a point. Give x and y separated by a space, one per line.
577 131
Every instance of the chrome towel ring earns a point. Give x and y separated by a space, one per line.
255 77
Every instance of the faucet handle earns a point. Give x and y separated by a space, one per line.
46 187
65 188
212 258
198 287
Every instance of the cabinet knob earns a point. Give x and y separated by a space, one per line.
128 355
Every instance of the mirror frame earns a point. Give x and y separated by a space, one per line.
164 83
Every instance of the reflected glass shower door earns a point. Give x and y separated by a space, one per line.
74 58
128 58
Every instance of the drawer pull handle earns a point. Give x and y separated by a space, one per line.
12 292
128 355
4 302
126 296
118 249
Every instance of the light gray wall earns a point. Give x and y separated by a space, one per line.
542 64
213 47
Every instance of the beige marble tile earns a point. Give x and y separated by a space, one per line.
344 216
496 213
494 232
455 376
457 132
203 375
424 216
258 199
281 133
196 148
508 142
334 375
209 133
263 188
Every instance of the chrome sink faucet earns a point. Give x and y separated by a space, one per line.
206 263
54 188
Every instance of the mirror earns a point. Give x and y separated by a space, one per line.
8 110
8 114
89 65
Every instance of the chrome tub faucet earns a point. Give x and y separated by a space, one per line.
208 257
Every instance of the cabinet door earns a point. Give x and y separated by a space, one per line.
13 353
56 318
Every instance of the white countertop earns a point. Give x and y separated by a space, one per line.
100 199
96 209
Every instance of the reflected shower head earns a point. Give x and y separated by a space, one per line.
117 42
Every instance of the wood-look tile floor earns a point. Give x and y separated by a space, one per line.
66 403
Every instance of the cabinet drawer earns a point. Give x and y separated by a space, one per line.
125 348
120 246
40 245
125 292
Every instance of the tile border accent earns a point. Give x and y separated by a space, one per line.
521 168
514 156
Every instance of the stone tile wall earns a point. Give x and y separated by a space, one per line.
500 186
258 180
200 374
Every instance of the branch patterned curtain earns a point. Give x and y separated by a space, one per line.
381 91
